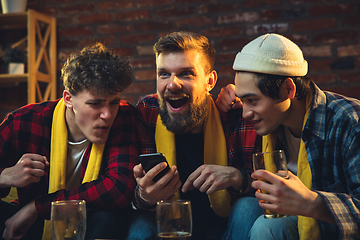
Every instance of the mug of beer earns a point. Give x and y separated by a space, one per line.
174 219
274 162
68 220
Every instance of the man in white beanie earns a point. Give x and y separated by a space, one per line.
320 133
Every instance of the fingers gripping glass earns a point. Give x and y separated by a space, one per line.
274 162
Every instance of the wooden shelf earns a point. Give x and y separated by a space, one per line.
10 19
13 78
41 51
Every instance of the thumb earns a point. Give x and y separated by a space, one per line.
138 170
238 104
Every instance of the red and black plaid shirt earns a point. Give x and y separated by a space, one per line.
241 138
28 130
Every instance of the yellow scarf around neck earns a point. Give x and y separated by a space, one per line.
58 156
308 227
214 152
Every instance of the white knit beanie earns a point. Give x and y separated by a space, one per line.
271 54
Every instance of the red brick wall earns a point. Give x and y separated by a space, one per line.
327 31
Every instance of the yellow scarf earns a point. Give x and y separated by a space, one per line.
58 156
308 227
214 152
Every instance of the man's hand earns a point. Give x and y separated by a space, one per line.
212 178
17 226
29 169
289 196
227 99
152 192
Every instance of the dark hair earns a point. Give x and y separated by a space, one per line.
96 69
184 41
270 85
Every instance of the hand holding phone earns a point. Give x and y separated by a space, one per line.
148 161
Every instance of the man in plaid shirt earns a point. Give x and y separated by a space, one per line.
94 114
185 76
320 133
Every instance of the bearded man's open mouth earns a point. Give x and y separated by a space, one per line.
177 101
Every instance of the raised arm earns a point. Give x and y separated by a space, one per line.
115 185
29 169
227 99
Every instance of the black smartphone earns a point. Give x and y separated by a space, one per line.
148 161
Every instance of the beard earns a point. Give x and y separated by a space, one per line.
181 124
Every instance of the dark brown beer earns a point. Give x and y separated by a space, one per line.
174 236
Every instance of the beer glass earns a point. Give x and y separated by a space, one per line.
174 220
68 220
274 162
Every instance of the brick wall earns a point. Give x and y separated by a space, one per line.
327 31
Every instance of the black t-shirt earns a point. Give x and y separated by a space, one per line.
189 156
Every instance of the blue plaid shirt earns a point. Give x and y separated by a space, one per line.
332 142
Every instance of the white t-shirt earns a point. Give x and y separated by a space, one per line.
293 150
75 154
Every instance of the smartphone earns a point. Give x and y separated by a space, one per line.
148 161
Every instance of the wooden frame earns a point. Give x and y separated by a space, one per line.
41 46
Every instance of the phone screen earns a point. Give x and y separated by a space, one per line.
148 161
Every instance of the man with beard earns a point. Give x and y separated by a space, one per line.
210 152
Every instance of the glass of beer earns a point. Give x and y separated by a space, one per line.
68 220
174 219
274 162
